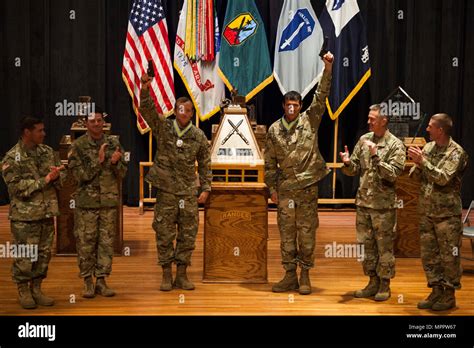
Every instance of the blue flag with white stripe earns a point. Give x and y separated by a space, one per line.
343 24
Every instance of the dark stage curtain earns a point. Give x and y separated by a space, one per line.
412 44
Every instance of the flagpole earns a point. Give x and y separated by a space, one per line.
150 142
336 129
197 121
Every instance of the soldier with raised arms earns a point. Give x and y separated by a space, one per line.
180 145
293 168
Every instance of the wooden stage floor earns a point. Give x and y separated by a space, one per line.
136 278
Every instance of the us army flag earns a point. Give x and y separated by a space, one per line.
343 24
201 79
245 61
297 65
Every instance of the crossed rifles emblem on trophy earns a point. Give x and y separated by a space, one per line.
235 129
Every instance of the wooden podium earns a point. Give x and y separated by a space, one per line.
235 234
407 240
236 217
65 240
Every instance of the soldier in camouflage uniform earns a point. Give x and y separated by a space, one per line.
32 173
440 165
293 167
97 163
379 158
179 145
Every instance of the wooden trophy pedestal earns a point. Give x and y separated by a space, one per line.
235 234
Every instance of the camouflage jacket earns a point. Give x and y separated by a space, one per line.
174 168
378 174
440 172
24 172
97 184
292 157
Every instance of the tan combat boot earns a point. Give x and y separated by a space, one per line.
435 296
88 291
38 295
384 290
447 301
370 290
305 283
182 280
289 282
167 280
102 289
24 295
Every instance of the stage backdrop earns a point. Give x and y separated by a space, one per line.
50 54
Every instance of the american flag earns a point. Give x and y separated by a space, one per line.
147 39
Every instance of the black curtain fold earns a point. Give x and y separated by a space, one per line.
412 44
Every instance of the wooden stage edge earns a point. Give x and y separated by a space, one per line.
136 278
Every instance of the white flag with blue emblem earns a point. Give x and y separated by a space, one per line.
297 65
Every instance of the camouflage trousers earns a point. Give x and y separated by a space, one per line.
297 221
38 234
94 230
440 242
376 232
176 218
